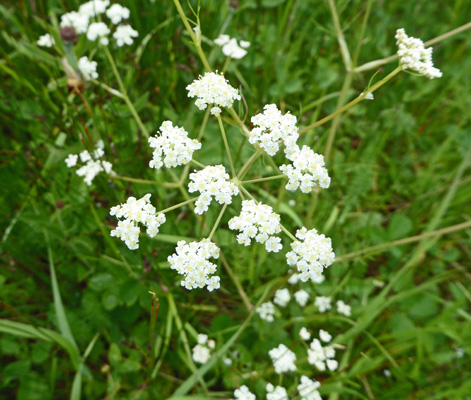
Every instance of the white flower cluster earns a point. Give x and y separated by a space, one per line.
87 68
301 297
320 356
266 311
308 389
282 297
172 147
323 303
311 253
212 181
276 393
259 222
283 359
81 21
202 351
191 260
243 393
307 171
304 334
93 163
271 126
231 48
135 212
414 56
212 89
124 34
46 40
343 308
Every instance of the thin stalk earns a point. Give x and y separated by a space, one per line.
198 164
352 103
269 178
178 205
124 93
218 220
340 37
144 181
288 233
226 145
384 246
248 163
192 35
237 283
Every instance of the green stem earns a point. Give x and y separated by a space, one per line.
124 93
218 220
288 233
192 35
144 181
269 178
248 163
226 145
198 164
178 205
352 103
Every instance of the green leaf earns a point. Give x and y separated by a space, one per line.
399 226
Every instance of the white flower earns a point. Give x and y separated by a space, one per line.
201 354
216 111
325 336
212 89
212 181
282 297
283 359
202 338
304 334
266 311
307 171
134 212
116 13
293 279
222 40
343 308
46 40
387 373
87 68
227 362
270 127
124 35
231 48
191 261
368 96
244 44
75 20
243 393
172 147
259 222
308 389
301 297
71 160
414 56
321 357
323 303
318 278
98 30
93 8
311 253
276 393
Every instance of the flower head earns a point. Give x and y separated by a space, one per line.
202 351
46 40
259 222
414 56
308 389
343 308
276 393
266 311
98 30
192 261
243 393
272 126
311 253
212 89
323 303
321 357
172 147
124 35
307 170
231 48
116 13
283 359
75 20
304 334
87 68
134 212
212 181
93 8
282 297
301 297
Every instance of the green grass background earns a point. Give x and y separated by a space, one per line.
399 168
